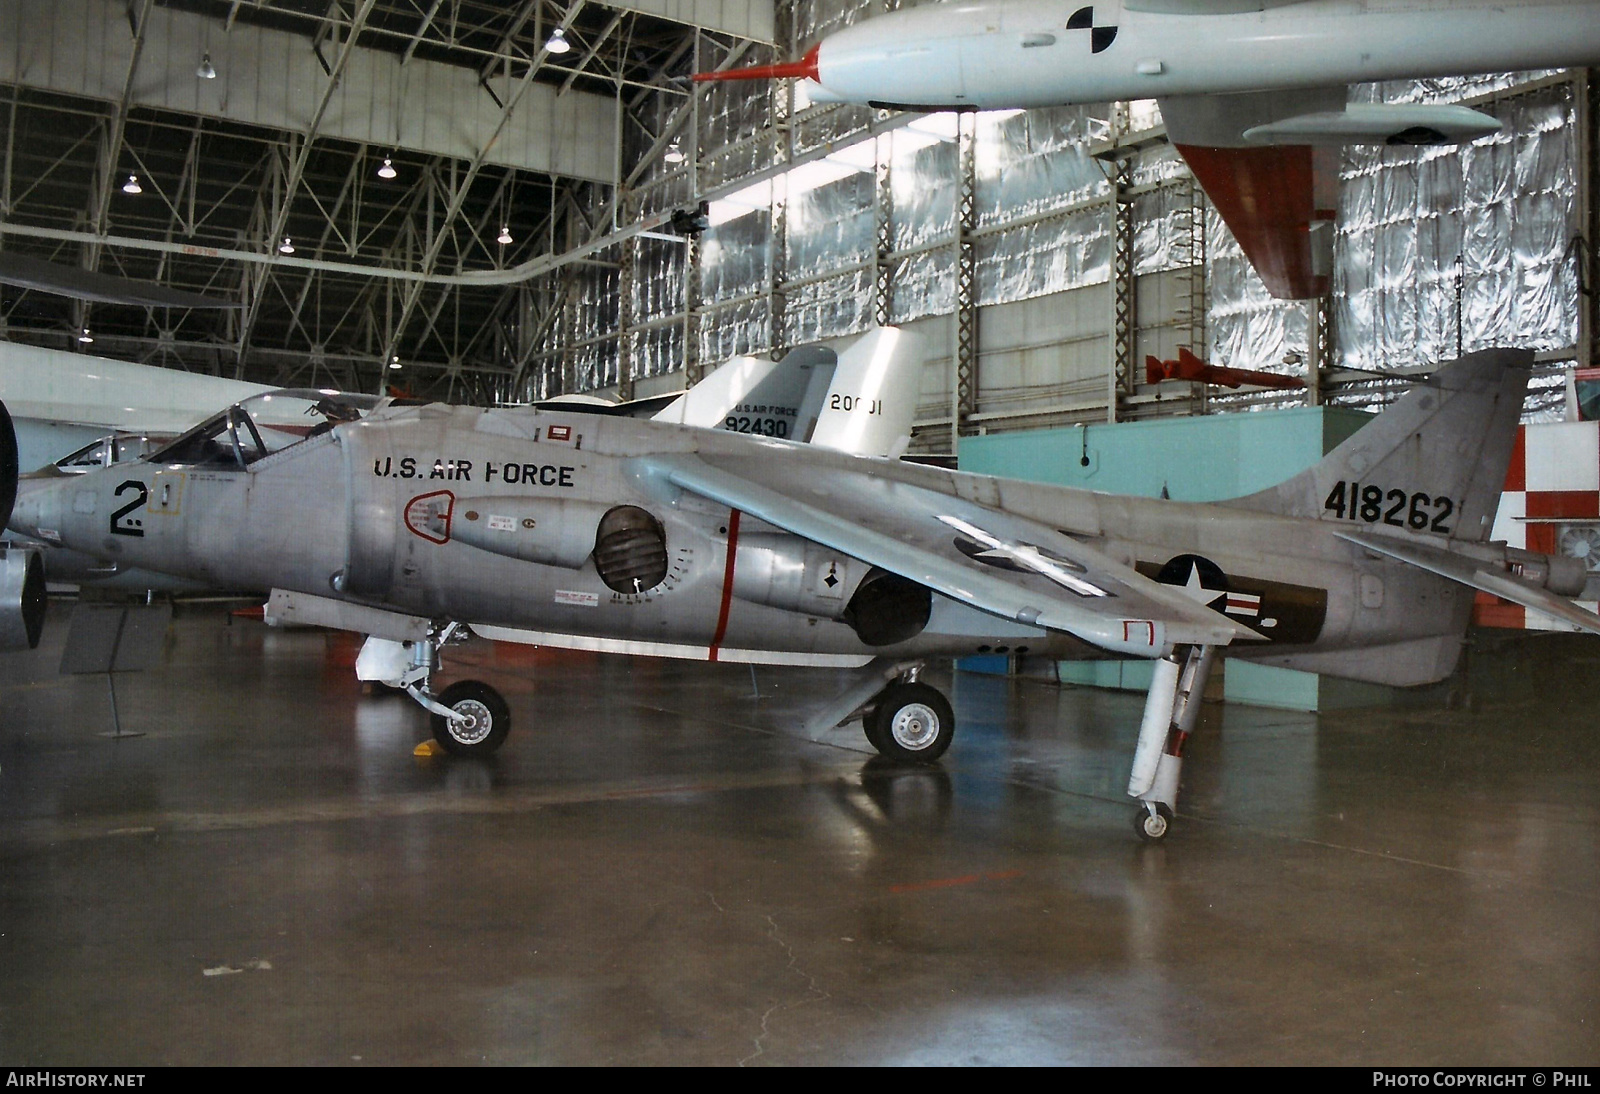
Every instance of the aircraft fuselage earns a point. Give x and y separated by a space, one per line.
987 54
491 517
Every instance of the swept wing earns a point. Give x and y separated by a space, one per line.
994 561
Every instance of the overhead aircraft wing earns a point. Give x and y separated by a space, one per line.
35 273
994 561
1269 162
1477 575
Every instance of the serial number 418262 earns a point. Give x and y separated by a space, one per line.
1375 505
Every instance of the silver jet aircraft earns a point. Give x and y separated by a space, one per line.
647 537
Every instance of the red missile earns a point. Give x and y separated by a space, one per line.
1190 367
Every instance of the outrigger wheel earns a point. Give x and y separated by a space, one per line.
485 719
1152 820
911 721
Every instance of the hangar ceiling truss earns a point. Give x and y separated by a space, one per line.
342 255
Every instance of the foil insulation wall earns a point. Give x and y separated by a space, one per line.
1435 248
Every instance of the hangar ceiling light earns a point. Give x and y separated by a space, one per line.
387 171
557 42
132 185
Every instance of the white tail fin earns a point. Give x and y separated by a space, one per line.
870 407
754 395
1434 462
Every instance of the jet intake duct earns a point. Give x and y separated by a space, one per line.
1557 573
548 531
785 571
630 550
888 608
22 597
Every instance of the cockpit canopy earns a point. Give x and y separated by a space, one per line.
262 425
114 449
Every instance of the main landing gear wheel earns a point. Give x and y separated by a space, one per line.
1153 821
486 722
911 722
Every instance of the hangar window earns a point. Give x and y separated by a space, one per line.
262 425
630 550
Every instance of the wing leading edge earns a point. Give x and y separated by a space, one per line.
994 561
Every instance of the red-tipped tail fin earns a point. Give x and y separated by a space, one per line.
805 68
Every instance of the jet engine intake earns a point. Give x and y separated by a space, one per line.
22 597
785 571
630 550
888 608
1557 573
548 531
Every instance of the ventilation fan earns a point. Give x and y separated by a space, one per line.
1581 541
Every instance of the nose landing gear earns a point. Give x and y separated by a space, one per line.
470 718
477 722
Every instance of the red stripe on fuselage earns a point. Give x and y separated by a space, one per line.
727 583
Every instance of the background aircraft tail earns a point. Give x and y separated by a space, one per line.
871 404
756 394
1434 462
861 399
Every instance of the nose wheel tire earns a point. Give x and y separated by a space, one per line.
486 722
1153 821
911 722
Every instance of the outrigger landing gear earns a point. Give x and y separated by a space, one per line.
470 718
1170 713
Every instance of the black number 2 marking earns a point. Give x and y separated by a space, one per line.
122 523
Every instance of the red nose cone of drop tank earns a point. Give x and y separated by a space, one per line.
805 68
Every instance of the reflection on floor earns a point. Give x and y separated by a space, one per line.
658 868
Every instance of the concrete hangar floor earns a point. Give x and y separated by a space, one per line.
657 869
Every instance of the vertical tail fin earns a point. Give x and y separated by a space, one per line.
760 391
1434 462
872 403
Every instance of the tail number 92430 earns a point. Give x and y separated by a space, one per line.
1374 504
764 427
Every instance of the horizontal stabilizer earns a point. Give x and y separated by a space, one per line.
1474 573
1379 123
